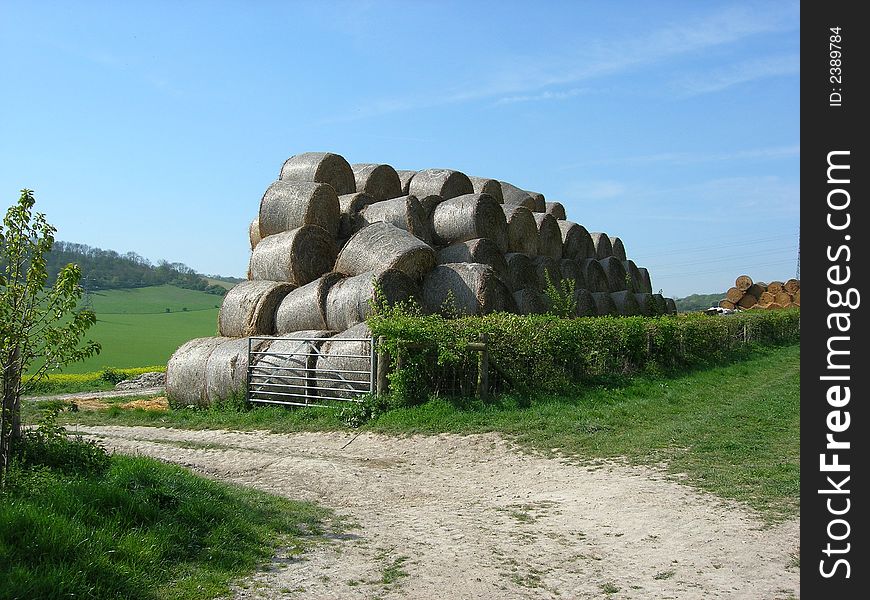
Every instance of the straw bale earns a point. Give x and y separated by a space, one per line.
383 246
545 266
350 205
298 256
743 283
747 301
585 303
756 290
617 247
593 273
227 368
601 243
429 203
530 302
522 230
254 232
468 217
341 354
440 182
482 185
604 304
479 250
645 278
556 209
405 178
404 212
629 303
766 298
286 369
571 269
305 307
660 304
796 299
287 205
350 300
774 306
521 271
671 306
320 167
733 295
249 308
782 298
576 242
381 182
615 272
792 285
549 236
186 372
514 195
726 304
475 289
774 287
634 275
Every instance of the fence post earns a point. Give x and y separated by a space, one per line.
483 368
383 365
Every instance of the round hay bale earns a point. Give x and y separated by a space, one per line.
545 267
774 287
254 232
440 182
514 195
617 278
405 178
350 300
756 290
630 303
762 284
726 304
343 364
601 243
381 182
305 307
633 274
593 273
249 308
743 283
774 306
556 209
671 306
576 242
733 295
645 279
384 246
285 374
660 304
480 250
530 302
468 217
604 304
617 247
585 303
766 298
796 299
522 230
482 185
571 269
792 286
320 167
288 205
298 256
429 203
521 271
226 372
404 212
186 372
782 298
549 236
475 290
747 301
350 205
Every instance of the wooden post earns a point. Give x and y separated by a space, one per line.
383 366
483 368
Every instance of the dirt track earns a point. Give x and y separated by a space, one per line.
473 517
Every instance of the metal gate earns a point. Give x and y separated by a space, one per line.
310 371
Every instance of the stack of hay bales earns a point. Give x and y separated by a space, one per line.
329 234
747 294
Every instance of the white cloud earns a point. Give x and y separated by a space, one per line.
548 95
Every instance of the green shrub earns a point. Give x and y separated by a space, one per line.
50 446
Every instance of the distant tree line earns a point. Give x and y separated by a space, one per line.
698 302
107 269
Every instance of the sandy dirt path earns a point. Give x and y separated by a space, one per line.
451 516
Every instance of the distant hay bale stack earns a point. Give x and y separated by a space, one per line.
522 230
727 304
531 200
733 295
405 178
474 288
585 303
743 283
645 279
249 308
404 212
482 185
617 247
545 267
556 209
288 205
671 306
382 246
660 303
298 256
792 286
350 205
775 287
593 273
634 275
521 271
530 302
343 364
468 217
479 250
571 269
643 303
226 371
549 236
320 167
350 300
305 307
604 305
254 232
601 243
440 182
285 373
576 241
186 372
381 182
617 278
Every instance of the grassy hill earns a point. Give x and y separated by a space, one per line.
698 301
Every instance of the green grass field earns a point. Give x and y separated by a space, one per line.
153 299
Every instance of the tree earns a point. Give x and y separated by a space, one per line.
39 327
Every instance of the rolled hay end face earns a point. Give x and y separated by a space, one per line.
249 308
320 167
382 246
286 205
298 256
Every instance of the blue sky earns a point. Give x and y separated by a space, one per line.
155 127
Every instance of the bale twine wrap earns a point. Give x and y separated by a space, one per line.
530 302
405 178
617 247
227 368
440 182
633 274
287 205
766 298
545 267
733 295
288 364
645 278
576 241
782 298
571 269
333 377
249 308
381 182
604 304
479 250
743 283
549 236
186 372
593 273
298 256
350 205
475 289
320 167
521 271
305 307
254 232
482 185
350 300
645 305
792 286
615 273
727 304
514 195
468 217
601 243
404 212
671 306
774 287
748 301
556 209
522 230
384 246
660 304
585 303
